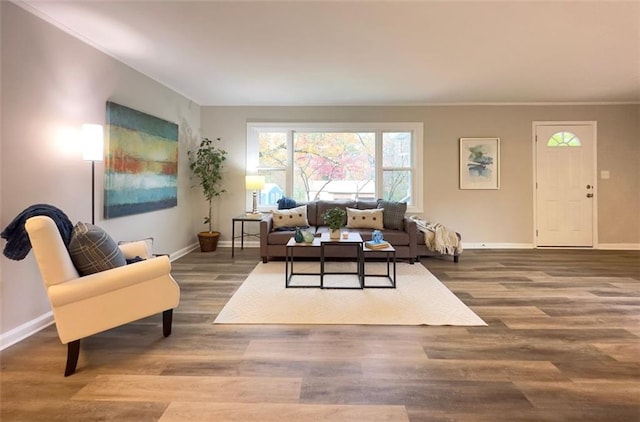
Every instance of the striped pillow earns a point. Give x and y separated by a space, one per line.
92 250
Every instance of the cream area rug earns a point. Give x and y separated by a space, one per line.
418 299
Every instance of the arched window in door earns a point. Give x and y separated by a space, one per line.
564 139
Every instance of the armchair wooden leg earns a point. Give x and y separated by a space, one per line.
73 351
167 318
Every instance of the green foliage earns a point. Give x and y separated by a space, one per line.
335 218
207 163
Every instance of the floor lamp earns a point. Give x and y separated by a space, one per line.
92 150
254 183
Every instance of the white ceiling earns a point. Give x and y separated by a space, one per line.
368 53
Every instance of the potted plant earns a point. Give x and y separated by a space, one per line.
335 218
206 163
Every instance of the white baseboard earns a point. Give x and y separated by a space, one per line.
603 246
182 252
480 245
25 330
620 246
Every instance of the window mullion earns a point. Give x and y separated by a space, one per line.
290 163
379 160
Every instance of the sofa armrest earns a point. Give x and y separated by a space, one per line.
106 281
266 224
412 229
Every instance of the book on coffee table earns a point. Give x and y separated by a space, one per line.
376 245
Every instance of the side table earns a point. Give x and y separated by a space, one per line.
289 272
390 254
242 218
353 240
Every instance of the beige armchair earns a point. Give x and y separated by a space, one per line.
83 306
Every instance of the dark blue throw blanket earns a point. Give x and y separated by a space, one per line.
18 244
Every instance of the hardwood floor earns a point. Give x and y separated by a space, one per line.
562 344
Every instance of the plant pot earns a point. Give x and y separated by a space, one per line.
334 234
208 241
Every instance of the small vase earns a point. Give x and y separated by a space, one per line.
298 236
334 234
308 236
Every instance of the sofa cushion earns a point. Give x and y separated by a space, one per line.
92 250
367 204
323 206
290 218
393 215
282 237
395 237
366 219
312 213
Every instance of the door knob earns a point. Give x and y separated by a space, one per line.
588 186
589 195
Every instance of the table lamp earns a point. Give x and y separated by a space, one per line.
254 183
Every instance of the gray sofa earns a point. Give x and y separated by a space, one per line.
272 241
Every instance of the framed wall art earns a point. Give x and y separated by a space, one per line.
479 163
141 162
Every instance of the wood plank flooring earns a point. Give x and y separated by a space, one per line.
562 344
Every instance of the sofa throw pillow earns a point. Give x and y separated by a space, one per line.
92 250
365 219
136 248
285 203
293 217
393 215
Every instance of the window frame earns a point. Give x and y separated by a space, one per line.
417 150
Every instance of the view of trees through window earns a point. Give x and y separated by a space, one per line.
396 166
307 165
333 165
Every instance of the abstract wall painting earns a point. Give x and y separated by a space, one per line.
479 163
141 163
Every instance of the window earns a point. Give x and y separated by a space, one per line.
564 139
337 161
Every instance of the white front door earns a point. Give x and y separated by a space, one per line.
565 177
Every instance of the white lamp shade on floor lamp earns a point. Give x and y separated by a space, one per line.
92 150
92 142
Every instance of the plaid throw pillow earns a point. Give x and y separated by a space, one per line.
92 250
393 216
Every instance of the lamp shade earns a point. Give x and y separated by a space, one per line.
254 182
92 142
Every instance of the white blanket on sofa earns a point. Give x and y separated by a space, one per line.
439 238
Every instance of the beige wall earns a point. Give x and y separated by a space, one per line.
501 217
51 84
